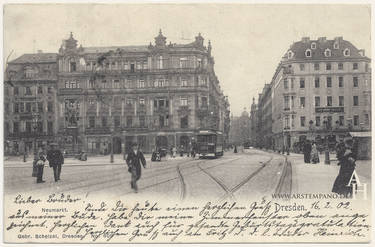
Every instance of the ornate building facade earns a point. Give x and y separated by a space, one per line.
321 89
158 95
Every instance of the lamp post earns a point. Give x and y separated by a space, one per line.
111 158
326 156
35 120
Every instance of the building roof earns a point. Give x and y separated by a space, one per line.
299 48
134 48
36 58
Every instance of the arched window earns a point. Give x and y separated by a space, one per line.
346 52
313 45
290 54
308 53
327 52
336 45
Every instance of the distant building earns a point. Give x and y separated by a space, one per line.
321 89
158 95
240 129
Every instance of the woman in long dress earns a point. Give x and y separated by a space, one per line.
347 165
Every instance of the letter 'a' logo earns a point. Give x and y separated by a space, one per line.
357 186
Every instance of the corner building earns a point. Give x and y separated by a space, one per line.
157 95
320 81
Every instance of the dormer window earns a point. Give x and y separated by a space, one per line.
346 52
327 53
290 54
313 45
336 45
308 53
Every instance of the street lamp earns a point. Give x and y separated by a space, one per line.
35 120
326 156
111 129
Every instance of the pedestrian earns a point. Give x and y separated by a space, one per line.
171 151
182 151
307 151
55 159
314 154
174 150
134 160
347 166
235 149
40 162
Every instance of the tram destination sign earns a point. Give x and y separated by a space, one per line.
329 109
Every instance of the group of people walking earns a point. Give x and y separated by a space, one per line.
55 159
310 152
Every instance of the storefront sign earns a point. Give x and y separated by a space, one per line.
329 109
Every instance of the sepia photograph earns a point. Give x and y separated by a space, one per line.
186 123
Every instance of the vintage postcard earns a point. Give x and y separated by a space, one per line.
186 123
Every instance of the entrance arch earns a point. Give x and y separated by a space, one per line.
184 141
161 142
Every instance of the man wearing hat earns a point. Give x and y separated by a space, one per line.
55 159
134 160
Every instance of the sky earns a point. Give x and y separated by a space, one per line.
248 40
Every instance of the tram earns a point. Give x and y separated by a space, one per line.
210 143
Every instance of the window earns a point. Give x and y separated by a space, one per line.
329 119
22 107
39 127
129 102
286 122
117 121
49 107
184 83
28 127
286 83
290 54
73 66
301 66
341 100
104 121
105 84
336 45
341 81
286 103
329 81
16 109
27 91
15 91
366 67
302 102
355 100
292 83
142 121
302 83
199 62
317 101
92 122
144 65
355 81
346 52
160 62
293 120
132 67
327 53
303 121
308 53
30 72
49 89
340 66
292 100
313 45
204 101
328 66
183 62
40 106
317 121
16 127
329 100
129 121
161 121
28 107
316 66
50 127
355 120
341 120
40 90
317 82
183 101
116 83
142 101
355 66
184 122
141 83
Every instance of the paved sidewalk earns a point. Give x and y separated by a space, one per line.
319 178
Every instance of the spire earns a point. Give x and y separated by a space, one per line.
160 40
71 43
209 48
199 40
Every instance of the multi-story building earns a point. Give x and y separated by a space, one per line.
158 95
321 89
29 102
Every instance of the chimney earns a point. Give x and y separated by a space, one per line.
361 52
305 39
40 51
338 39
322 39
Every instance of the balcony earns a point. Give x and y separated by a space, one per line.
161 110
97 130
30 135
70 91
183 110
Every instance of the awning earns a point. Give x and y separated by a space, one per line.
360 134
